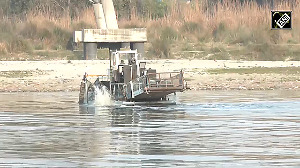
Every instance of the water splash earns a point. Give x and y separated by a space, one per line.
102 96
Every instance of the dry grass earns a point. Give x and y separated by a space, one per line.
64 21
228 22
3 48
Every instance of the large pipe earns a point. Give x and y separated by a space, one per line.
110 14
99 14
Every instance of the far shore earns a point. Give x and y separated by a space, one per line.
54 76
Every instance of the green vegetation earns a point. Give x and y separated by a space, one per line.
214 29
15 74
258 70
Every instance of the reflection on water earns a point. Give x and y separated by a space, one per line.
205 129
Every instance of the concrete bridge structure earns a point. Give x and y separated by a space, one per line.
108 34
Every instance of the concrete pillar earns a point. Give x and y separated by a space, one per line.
139 46
100 18
90 51
110 14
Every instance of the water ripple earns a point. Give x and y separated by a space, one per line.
51 130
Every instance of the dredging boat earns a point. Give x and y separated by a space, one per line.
130 81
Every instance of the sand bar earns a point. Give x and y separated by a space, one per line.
39 76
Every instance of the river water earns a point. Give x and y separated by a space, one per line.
205 129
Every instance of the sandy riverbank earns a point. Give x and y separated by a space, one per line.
40 76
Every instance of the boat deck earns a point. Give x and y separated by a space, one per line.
156 86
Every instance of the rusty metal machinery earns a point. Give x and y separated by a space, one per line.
128 79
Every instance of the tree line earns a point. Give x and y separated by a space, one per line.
73 8
125 8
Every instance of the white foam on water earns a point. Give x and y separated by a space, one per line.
102 96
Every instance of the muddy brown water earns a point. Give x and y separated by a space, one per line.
204 129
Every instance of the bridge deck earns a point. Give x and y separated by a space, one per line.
110 35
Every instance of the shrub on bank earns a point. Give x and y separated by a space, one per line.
239 30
